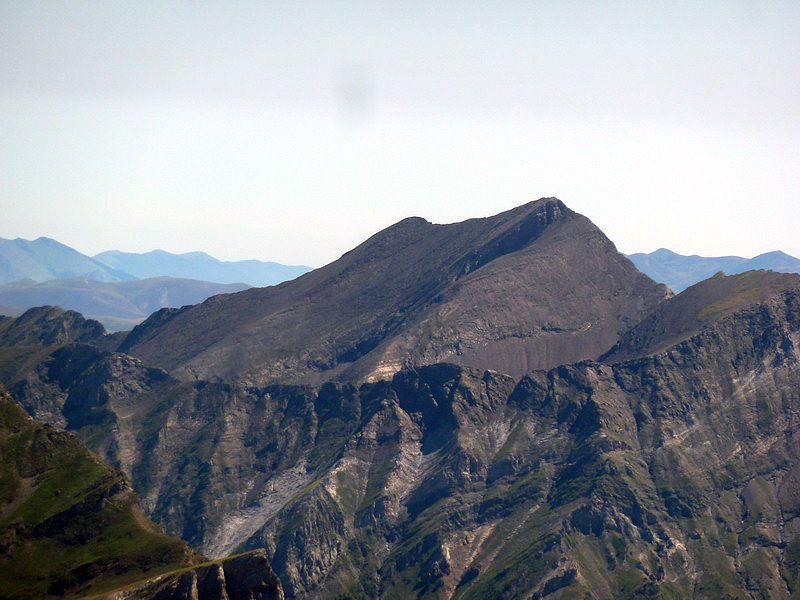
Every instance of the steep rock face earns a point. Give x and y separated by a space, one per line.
671 469
530 288
244 577
230 454
673 473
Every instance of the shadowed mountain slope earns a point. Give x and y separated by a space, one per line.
119 305
199 265
529 288
247 576
48 325
679 271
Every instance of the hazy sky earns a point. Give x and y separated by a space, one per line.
292 131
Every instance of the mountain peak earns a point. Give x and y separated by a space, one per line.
530 287
775 255
553 207
44 259
47 240
408 221
665 252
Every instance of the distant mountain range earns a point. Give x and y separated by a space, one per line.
679 271
118 305
120 289
199 265
45 259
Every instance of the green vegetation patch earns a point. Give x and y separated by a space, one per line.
69 525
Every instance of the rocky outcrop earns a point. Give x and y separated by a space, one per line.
48 325
701 306
244 577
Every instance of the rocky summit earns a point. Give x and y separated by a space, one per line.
657 457
530 288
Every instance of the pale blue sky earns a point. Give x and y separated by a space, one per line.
292 131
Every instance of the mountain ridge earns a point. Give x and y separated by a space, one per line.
658 460
119 305
698 307
201 266
482 291
667 473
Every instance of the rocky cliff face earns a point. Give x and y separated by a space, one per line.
530 288
673 475
244 577
670 469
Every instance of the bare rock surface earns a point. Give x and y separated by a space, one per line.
671 473
530 288
244 577
661 462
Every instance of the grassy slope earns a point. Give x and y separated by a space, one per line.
69 525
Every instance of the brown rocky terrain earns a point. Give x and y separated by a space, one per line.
699 306
668 470
47 326
530 288
654 455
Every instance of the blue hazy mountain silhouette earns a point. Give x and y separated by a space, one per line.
679 271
